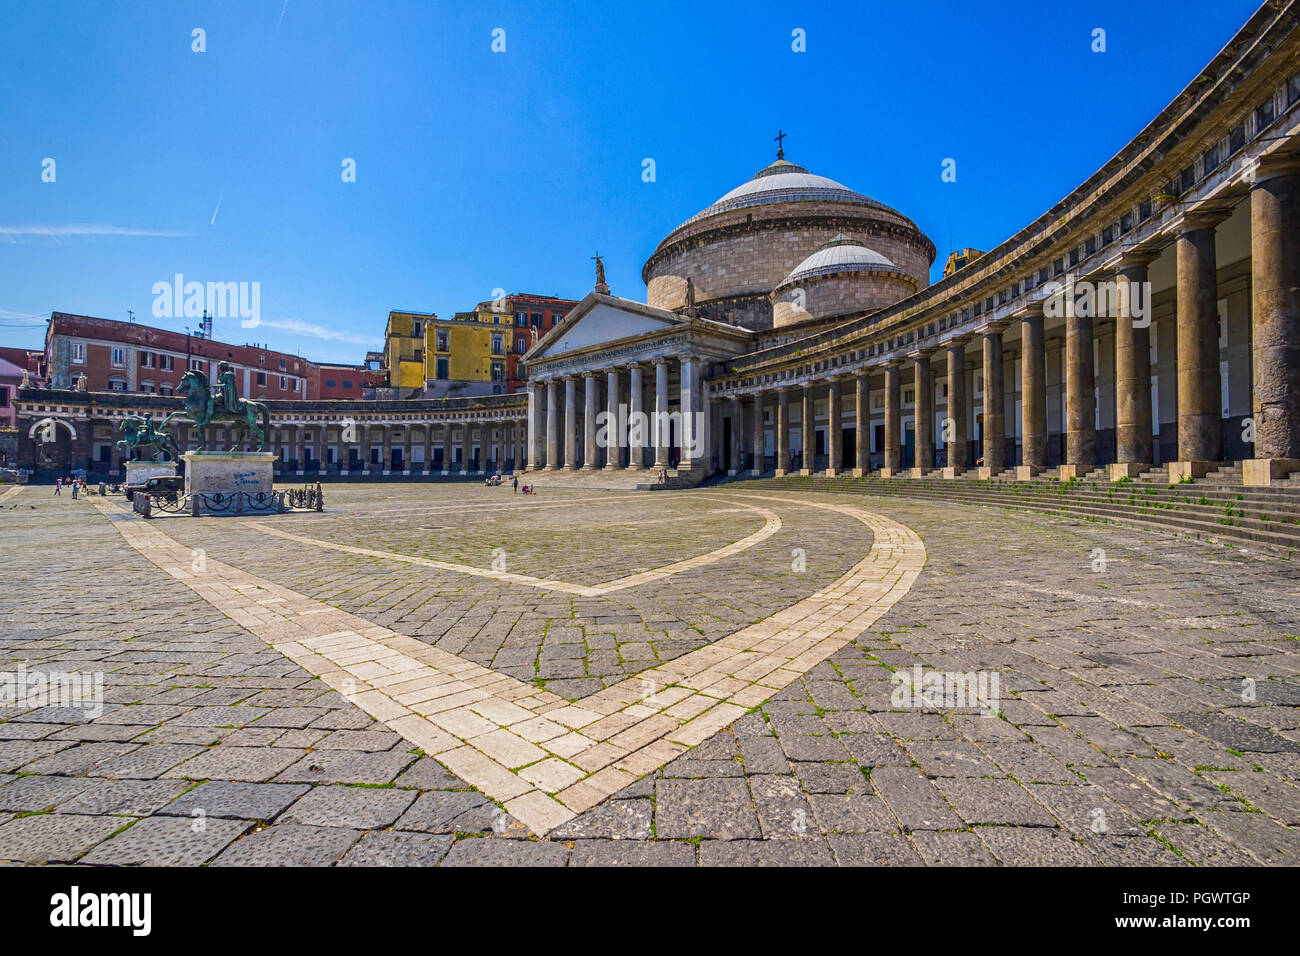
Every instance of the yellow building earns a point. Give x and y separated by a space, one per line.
959 259
469 353
404 349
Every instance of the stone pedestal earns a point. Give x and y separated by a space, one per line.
1262 472
1028 472
950 472
888 472
985 472
860 472
914 473
1126 469
1182 470
228 473
1072 472
138 472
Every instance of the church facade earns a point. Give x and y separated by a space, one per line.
1149 319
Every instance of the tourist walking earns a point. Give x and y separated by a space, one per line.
58 486
75 486
516 484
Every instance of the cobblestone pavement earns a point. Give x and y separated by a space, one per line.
1147 699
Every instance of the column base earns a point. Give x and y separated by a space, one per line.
805 472
780 473
831 472
985 472
1125 469
861 472
1262 472
1072 472
1190 470
1028 472
637 466
588 468
951 471
914 473
754 472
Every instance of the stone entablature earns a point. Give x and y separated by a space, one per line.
1111 215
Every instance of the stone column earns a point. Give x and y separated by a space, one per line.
428 448
661 413
1080 393
1275 323
466 448
521 436
758 441
1200 425
614 447
406 449
446 448
694 431
834 429
1133 451
923 423
955 424
498 445
782 431
636 438
300 446
862 425
736 451
589 406
570 422
893 423
808 427
552 427
386 462
995 413
1033 396
535 426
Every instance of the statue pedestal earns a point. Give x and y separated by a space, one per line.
138 472
230 482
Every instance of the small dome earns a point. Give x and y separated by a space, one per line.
785 182
841 254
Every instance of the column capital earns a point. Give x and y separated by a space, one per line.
1272 166
661 360
1198 219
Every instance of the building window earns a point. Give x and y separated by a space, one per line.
165 388
521 319
165 363
117 384
1264 115
1237 139
442 370
261 378
1186 179
521 345
284 383
441 343
4 396
498 371
282 365
146 360
1210 160
119 357
498 346
146 387
347 383
78 353
416 329
536 320
196 364
329 383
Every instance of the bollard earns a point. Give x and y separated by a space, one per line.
194 505
145 509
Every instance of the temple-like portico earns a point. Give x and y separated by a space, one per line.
619 386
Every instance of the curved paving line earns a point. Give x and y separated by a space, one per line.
544 758
771 525
11 492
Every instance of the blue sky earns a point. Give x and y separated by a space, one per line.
478 170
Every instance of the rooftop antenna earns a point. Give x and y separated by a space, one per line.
206 325
130 315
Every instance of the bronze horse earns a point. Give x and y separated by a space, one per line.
194 386
143 433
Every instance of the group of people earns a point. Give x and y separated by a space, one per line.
525 490
492 480
76 484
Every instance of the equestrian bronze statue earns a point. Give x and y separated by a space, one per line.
204 406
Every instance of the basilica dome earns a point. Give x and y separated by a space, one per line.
733 255
843 277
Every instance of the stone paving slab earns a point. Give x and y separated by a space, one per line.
1124 734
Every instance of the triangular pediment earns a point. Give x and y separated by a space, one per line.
600 319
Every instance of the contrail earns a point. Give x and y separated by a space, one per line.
213 221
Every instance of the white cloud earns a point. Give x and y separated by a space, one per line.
17 234
320 332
